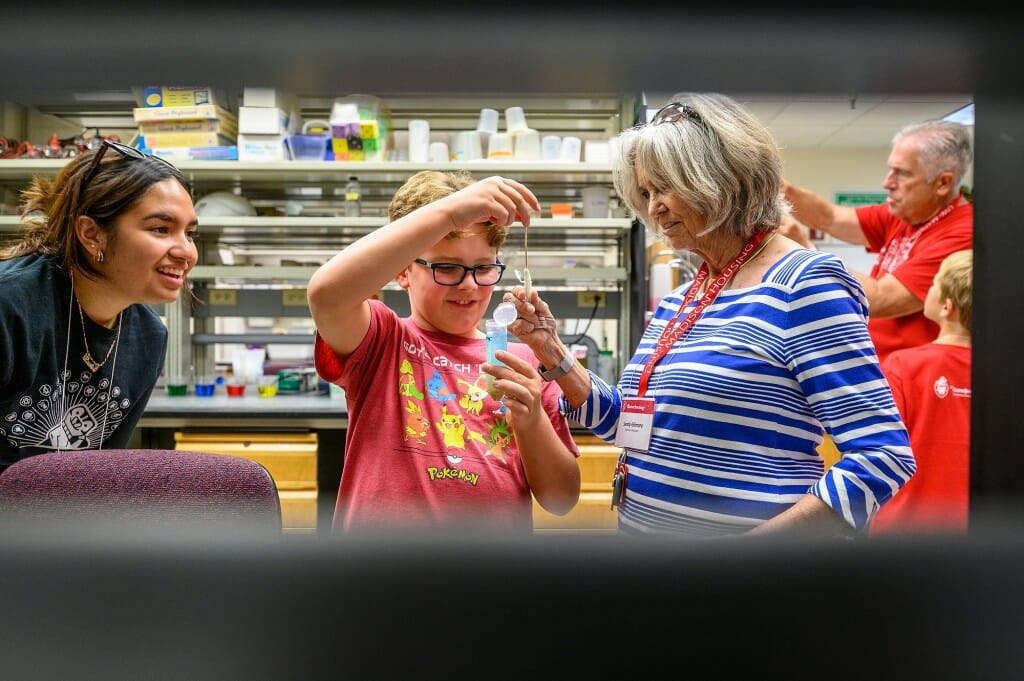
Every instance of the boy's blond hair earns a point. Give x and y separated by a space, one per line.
428 186
954 282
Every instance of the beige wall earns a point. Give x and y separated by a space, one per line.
829 170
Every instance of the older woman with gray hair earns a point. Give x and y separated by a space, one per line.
741 371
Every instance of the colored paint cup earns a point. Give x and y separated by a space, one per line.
267 386
205 386
177 386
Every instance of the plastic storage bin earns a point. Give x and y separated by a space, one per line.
312 143
308 147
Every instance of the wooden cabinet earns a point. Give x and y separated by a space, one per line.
593 514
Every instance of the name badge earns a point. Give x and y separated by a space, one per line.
636 422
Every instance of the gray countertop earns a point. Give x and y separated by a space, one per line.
284 410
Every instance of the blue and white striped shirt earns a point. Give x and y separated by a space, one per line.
740 404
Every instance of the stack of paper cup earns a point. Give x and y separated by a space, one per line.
570 150
596 152
439 152
488 124
515 119
468 146
499 146
526 145
550 147
419 140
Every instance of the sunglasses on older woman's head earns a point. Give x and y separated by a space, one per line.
124 150
674 111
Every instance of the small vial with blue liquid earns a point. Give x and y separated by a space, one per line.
496 331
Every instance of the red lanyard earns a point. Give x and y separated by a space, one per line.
676 329
895 253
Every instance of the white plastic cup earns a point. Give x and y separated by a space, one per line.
515 119
439 152
419 140
468 146
526 145
596 152
488 123
595 202
247 364
499 146
570 150
550 147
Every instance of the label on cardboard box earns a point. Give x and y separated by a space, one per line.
187 139
261 148
174 113
224 127
164 95
220 153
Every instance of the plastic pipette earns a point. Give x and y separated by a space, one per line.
527 279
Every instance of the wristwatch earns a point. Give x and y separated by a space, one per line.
561 369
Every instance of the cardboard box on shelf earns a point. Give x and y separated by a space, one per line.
178 113
173 95
269 97
263 120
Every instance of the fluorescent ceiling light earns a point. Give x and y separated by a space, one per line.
964 115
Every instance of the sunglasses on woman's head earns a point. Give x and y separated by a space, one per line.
674 111
124 150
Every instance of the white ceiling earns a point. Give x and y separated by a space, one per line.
839 121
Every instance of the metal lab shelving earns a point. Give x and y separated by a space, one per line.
261 286
548 238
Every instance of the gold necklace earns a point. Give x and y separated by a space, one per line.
704 286
93 365
759 249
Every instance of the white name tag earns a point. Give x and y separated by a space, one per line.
635 424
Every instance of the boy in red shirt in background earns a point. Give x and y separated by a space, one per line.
932 388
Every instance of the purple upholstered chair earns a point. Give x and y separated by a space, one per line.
151 489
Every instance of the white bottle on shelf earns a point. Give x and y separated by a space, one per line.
353 198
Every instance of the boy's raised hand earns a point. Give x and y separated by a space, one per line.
495 199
